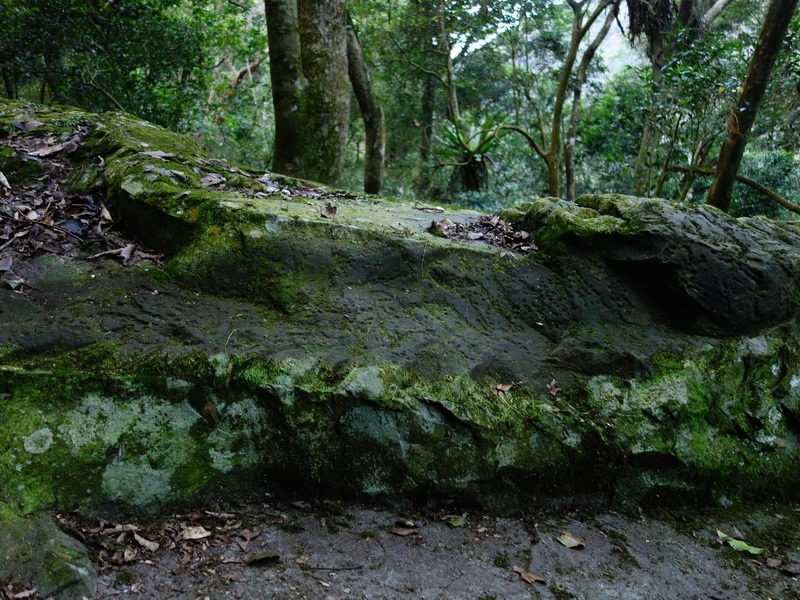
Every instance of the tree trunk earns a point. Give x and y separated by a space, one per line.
288 83
552 154
641 168
773 32
579 31
323 37
310 84
8 82
580 79
423 179
371 111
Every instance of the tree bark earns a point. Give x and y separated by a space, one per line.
8 82
323 37
371 112
423 180
310 86
580 79
288 83
773 31
641 169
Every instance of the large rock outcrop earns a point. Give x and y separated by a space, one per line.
646 352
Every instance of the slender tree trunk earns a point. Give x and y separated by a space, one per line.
662 176
288 83
580 79
773 32
641 168
8 82
310 87
579 31
453 112
552 154
423 180
371 112
425 32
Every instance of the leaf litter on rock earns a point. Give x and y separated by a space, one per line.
489 229
40 217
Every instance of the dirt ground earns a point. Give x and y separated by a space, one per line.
329 550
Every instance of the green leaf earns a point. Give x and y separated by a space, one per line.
457 521
738 545
741 546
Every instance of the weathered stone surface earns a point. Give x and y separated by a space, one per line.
657 347
34 552
697 270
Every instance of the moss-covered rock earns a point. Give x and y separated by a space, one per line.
649 354
35 551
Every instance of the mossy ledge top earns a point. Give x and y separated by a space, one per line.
646 354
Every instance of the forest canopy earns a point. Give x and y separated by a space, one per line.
483 104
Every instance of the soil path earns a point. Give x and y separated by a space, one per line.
327 550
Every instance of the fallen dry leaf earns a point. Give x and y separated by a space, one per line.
120 529
126 252
158 154
403 531
195 533
4 181
501 389
213 179
570 541
528 576
145 543
70 146
247 535
28 125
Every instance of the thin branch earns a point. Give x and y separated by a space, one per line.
713 12
790 206
93 82
530 139
593 17
407 60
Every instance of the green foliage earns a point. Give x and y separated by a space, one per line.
774 169
611 130
154 58
201 66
